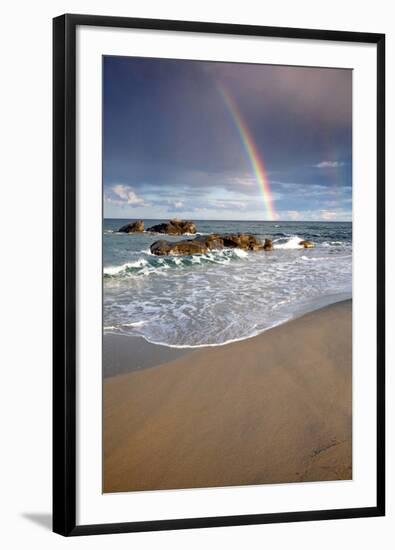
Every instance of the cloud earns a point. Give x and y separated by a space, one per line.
176 205
324 95
329 195
293 215
123 195
328 215
340 215
329 164
242 182
226 204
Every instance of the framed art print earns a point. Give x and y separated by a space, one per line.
218 274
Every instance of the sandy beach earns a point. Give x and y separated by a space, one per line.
275 408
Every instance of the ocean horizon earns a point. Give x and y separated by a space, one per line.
162 220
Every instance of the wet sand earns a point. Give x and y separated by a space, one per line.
123 354
275 408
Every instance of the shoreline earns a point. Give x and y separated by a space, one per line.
119 348
274 408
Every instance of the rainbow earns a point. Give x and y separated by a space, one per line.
252 153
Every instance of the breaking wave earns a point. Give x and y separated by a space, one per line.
159 264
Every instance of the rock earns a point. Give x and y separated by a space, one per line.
203 244
240 240
268 244
180 248
174 227
132 227
307 244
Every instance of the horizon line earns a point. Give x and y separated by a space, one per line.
227 220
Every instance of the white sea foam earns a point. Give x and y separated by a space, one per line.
157 264
240 253
293 242
332 243
136 324
114 270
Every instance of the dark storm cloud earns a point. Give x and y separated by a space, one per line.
169 136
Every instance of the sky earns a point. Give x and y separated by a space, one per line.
184 139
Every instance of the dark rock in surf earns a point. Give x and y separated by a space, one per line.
241 240
307 244
268 244
132 227
174 227
179 248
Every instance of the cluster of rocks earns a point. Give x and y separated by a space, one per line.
203 244
173 227
200 244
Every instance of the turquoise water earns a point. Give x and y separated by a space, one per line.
225 295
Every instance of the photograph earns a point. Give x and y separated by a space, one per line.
227 274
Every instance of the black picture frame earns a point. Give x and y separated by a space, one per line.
64 271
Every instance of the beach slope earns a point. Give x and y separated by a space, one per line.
275 408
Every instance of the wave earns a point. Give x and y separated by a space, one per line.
333 243
297 311
115 270
291 243
118 328
160 264
151 340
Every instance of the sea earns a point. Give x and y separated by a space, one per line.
226 295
